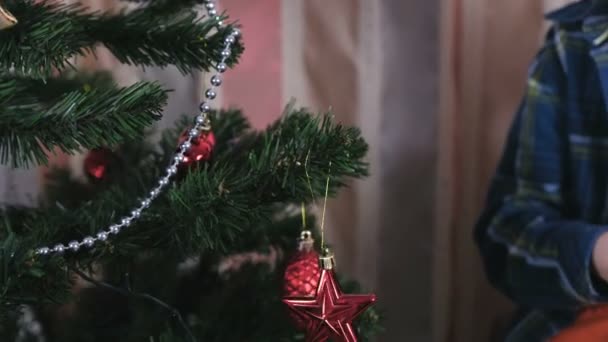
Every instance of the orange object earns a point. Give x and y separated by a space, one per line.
590 326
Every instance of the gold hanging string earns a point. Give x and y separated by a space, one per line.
325 208
303 215
313 198
312 193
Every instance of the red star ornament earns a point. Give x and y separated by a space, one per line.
330 313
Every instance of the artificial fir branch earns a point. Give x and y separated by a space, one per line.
153 37
37 117
49 34
49 90
166 6
207 210
164 2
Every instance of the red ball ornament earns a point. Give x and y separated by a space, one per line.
302 274
201 150
303 271
97 162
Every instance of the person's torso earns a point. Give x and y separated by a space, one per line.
580 35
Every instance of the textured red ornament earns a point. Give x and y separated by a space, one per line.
96 163
201 150
301 279
302 275
330 313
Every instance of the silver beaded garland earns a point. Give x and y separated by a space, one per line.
74 246
88 241
216 81
102 236
43 251
210 94
199 123
193 133
204 107
186 145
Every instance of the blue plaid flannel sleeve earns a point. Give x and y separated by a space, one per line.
534 251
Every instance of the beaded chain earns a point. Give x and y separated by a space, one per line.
201 123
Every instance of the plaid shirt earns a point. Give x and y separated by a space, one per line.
548 202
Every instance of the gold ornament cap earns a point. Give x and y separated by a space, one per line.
306 242
327 260
206 127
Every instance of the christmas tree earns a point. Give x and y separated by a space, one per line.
186 239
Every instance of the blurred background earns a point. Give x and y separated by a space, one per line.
433 85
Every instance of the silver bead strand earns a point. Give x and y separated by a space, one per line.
200 123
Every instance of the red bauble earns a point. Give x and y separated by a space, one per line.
330 313
97 162
201 150
302 275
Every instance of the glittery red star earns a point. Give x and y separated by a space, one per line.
330 313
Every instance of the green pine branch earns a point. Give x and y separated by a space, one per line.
69 114
49 34
167 5
150 37
208 210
